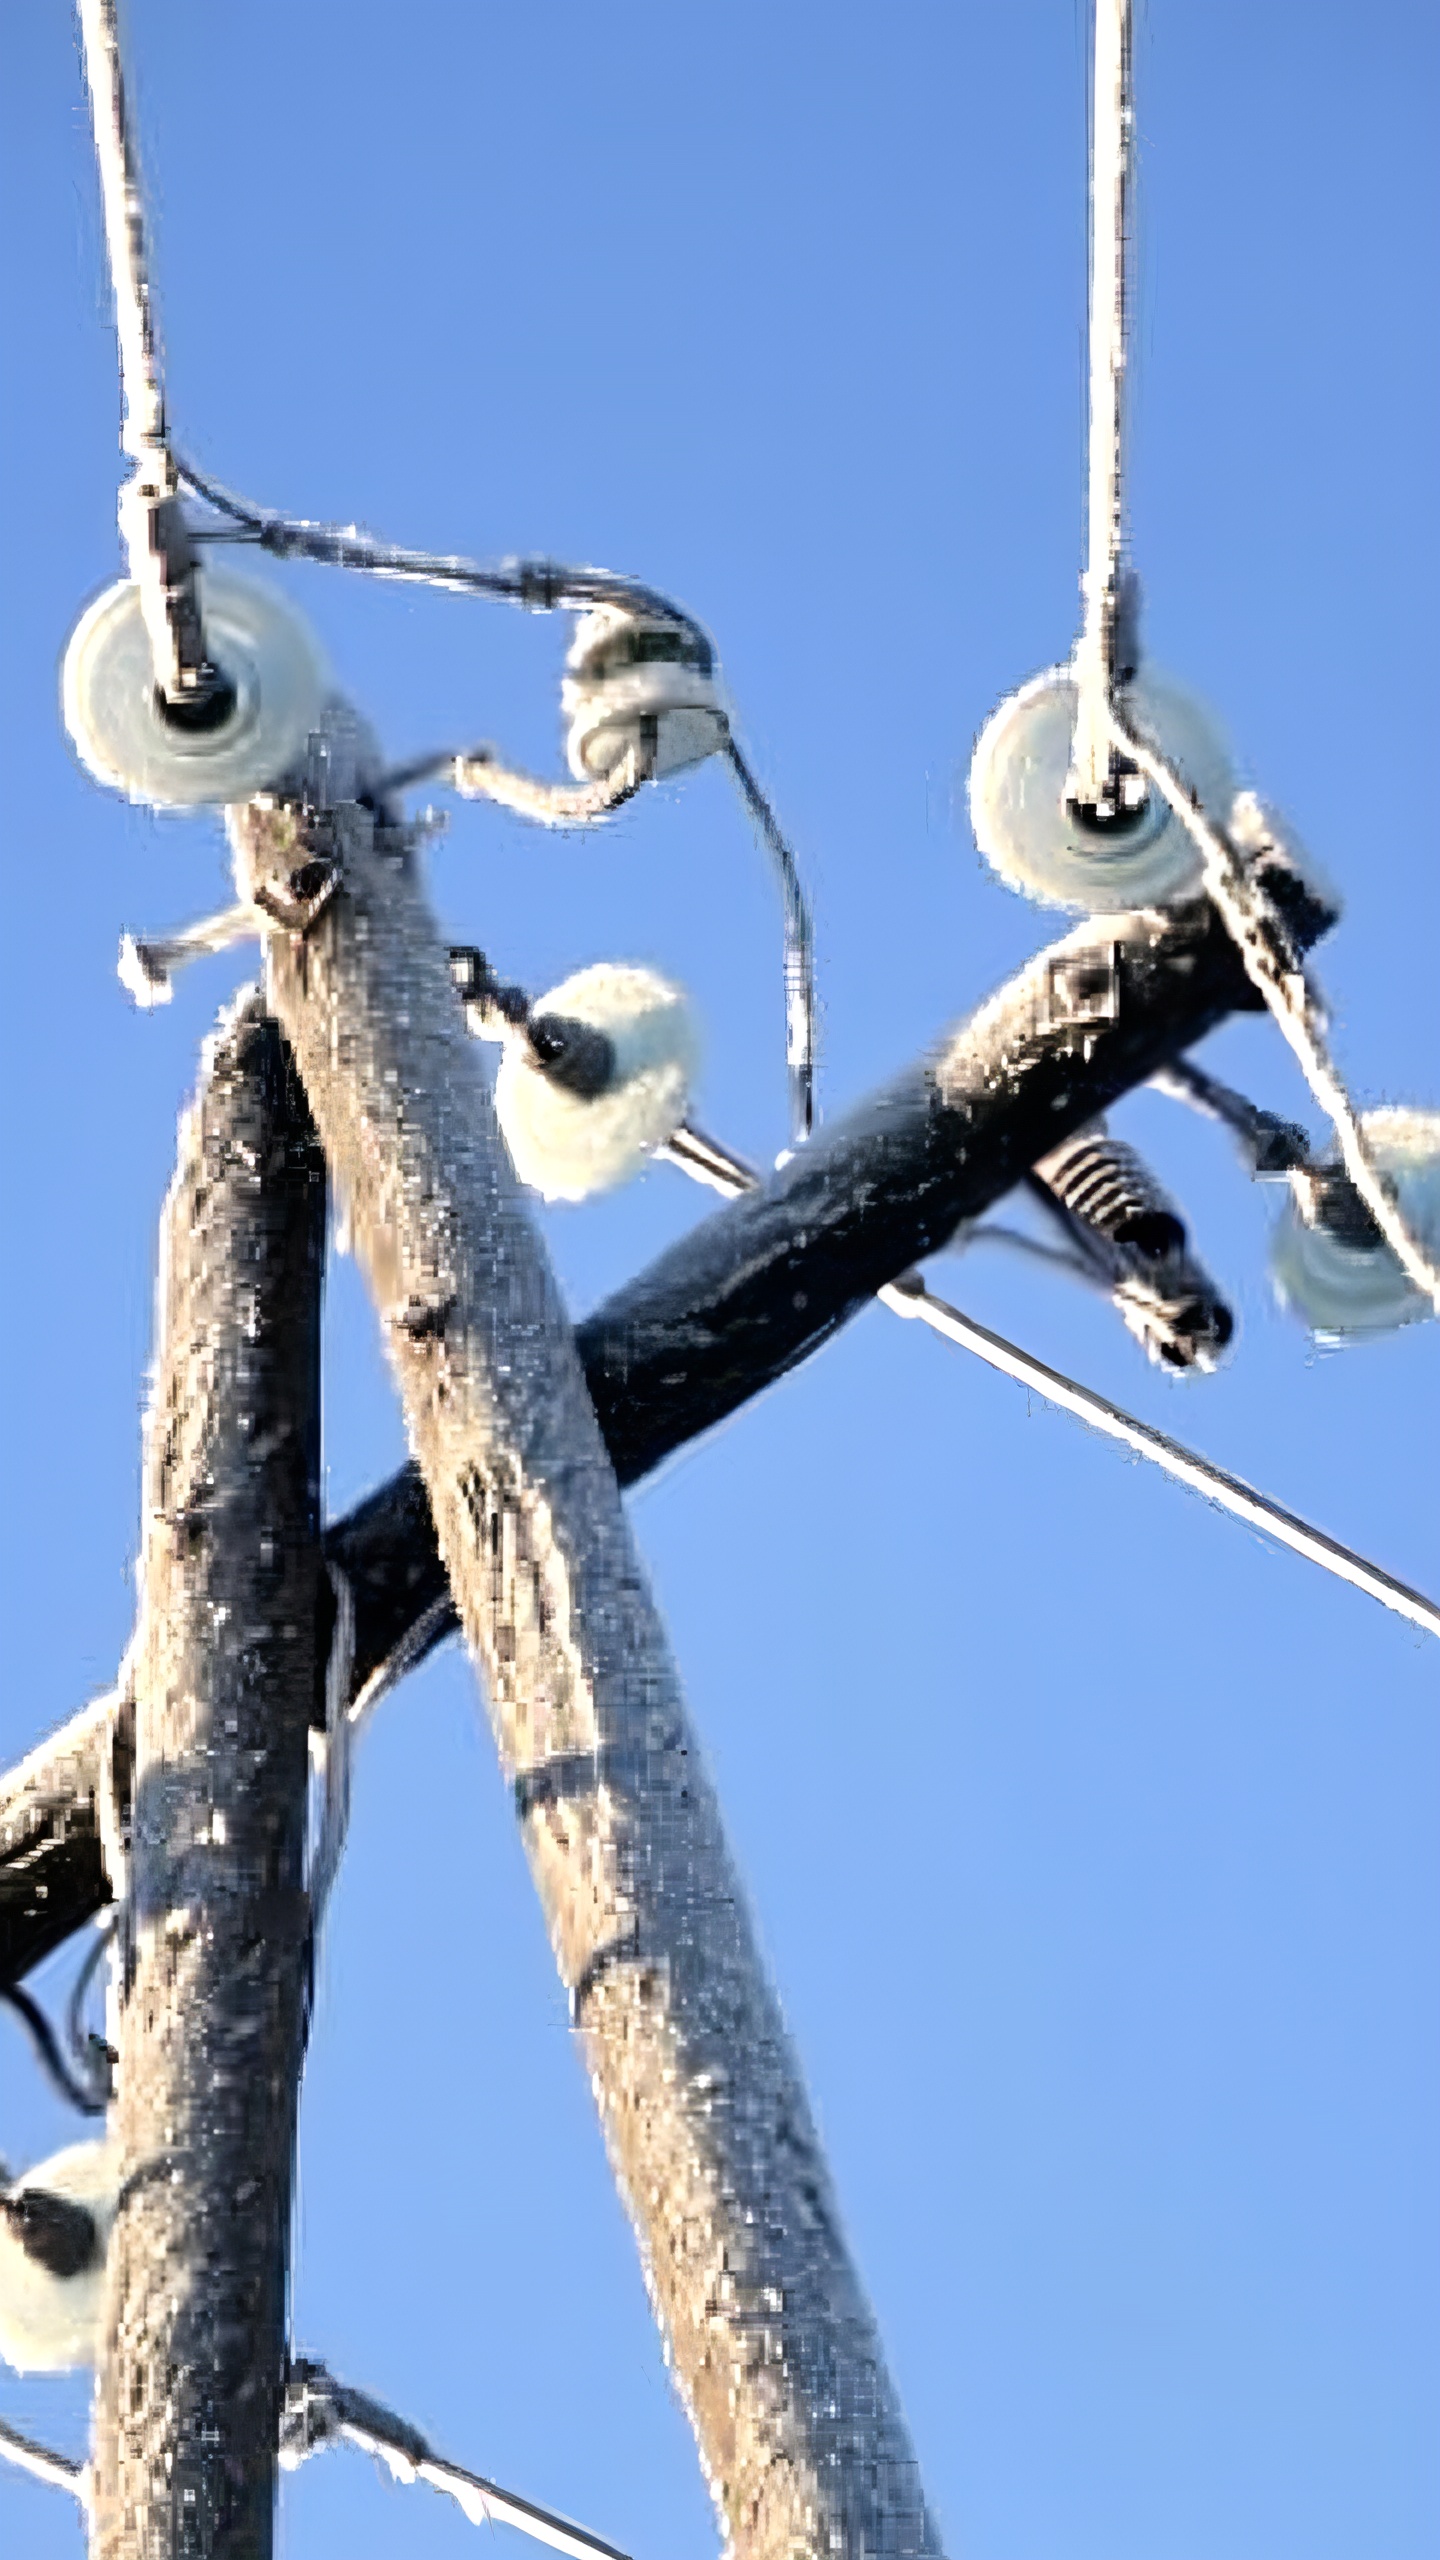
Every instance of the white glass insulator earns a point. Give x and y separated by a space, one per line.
49 2323
624 671
119 729
1340 1289
1034 839
567 1145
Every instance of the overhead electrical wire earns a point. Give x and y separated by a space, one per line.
540 586
1095 668
1276 971
162 561
706 1161
544 586
1102 731
143 434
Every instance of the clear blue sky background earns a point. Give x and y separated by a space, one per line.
1094 1842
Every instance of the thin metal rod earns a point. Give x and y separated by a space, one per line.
771 2340
146 969
1201 1474
320 2410
1111 130
799 949
909 1297
56 2470
1272 1147
1275 969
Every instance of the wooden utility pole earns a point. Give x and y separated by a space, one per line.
719 1316
216 1948
710 2133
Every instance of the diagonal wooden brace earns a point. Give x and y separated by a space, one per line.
772 2342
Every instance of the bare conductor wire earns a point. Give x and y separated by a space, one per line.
1104 744
1096 670
1275 970
142 434
712 1164
152 522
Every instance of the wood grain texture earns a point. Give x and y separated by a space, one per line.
710 2133
713 1322
225 1682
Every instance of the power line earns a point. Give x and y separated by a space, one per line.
1201 1474
539 585
198 694
1102 730
55 2470
706 1161
319 2410
542 586
1095 654
143 434
1276 971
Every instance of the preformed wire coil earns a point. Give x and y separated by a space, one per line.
481 776
639 683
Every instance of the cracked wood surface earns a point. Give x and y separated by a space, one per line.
215 1953
1122 996
710 2134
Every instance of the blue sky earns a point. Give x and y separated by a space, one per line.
1093 1841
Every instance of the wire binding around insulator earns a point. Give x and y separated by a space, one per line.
481 776
1330 1262
637 685
1134 853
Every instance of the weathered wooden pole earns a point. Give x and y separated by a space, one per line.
216 1943
752 1290
710 2133
746 1295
